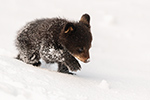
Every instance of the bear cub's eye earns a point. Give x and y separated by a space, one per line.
80 50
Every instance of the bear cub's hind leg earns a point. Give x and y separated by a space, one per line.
30 59
37 64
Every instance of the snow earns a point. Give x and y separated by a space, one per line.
120 54
104 85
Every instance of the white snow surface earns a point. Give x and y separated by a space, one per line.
120 55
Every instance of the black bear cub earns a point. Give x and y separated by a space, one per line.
55 40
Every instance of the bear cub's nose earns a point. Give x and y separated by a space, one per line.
86 61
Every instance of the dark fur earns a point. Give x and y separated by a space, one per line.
55 40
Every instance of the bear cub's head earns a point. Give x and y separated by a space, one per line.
77 38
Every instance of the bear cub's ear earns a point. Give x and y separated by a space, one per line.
69 27
85 19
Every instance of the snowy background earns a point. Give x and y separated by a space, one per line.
120 53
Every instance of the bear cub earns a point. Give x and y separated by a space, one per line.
55 40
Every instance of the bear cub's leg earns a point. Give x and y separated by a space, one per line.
37 64
30 58
63 69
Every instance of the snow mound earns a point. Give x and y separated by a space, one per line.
104 85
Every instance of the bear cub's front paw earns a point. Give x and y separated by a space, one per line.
73 65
